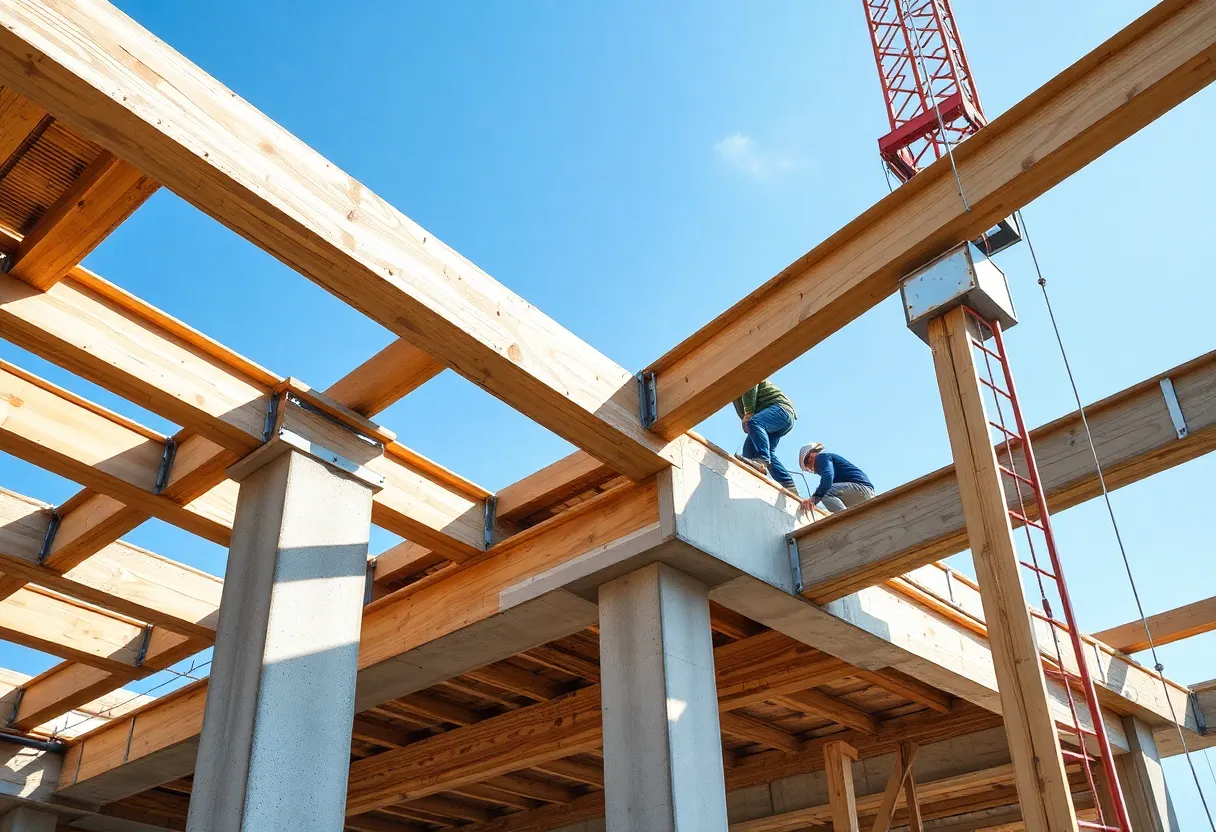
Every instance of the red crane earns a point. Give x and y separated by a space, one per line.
933 105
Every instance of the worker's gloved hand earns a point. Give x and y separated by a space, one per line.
808 504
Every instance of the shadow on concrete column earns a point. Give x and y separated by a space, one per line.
275 748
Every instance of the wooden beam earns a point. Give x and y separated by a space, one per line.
65 434
550 485
829 707
389 375
324 224
106 193
42 620
19 117
838 759
121 578
922 521
1152 65
1041 780
911 798
1166 627
901 684
750 729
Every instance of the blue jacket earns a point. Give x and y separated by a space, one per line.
833 468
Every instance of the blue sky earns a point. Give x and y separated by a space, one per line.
633 169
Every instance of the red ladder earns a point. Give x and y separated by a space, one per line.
1026 483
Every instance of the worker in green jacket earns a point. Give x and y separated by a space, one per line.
767 415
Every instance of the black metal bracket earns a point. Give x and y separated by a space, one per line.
166 465
648 398
48 539
143 646
491 514
1200 723
791 548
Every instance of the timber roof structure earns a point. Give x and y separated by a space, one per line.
478 698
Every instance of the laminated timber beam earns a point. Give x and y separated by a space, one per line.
1150 66
86 717
1165 627
103 334
106 193
96 69
922 521
19 117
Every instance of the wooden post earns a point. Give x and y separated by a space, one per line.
838 760
1038 765
907 751
904 756
1143 781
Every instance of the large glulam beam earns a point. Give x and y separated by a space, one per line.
1165 627
116 84
1150 66
922 521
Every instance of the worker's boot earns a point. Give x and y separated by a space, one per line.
754 463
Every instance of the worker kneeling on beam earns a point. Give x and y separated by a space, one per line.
841 483
767 415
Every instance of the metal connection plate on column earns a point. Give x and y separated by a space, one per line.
961 276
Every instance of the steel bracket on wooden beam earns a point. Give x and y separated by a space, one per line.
648 398
1201 723
369 582
166 465
791 548
48 539
12 717
143 646
491 514
1171 402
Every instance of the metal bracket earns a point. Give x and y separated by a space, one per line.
791 546
49 538
272 417
143 646
369 582
1171 402
293 399
648 398
491 514
1200 723
166 465
16 706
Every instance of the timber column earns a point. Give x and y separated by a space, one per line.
933 302
274 754
662 744
25 819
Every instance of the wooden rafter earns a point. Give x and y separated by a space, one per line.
1166 627
1144 70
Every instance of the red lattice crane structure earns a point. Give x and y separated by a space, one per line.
930 92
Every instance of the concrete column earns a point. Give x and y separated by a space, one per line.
25 819
1143 782
275 748
662 744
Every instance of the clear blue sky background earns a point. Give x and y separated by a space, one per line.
635 168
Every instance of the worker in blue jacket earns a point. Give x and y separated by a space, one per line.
841 483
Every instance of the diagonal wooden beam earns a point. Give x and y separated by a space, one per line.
1166 627
1152 65
899 776
106 193
266 185
922 521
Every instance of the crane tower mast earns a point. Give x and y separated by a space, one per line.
930 92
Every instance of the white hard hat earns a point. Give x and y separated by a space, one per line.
813 448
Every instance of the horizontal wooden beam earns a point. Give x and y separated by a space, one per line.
42 620
1165 627
85 717
268 186
386 377
1152 65
103 334
922 521
19 117
106 193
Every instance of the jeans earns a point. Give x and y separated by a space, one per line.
844 495
764 431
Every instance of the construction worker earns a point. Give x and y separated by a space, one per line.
841 483
767 415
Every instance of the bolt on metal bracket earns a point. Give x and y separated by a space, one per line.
143 646
48 539
1171 402
166 465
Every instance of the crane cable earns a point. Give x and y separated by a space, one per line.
1157 665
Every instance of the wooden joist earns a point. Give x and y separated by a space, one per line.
922 521
42 620
1152 65
389 375
1165 627
104 195
18 118
268 186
